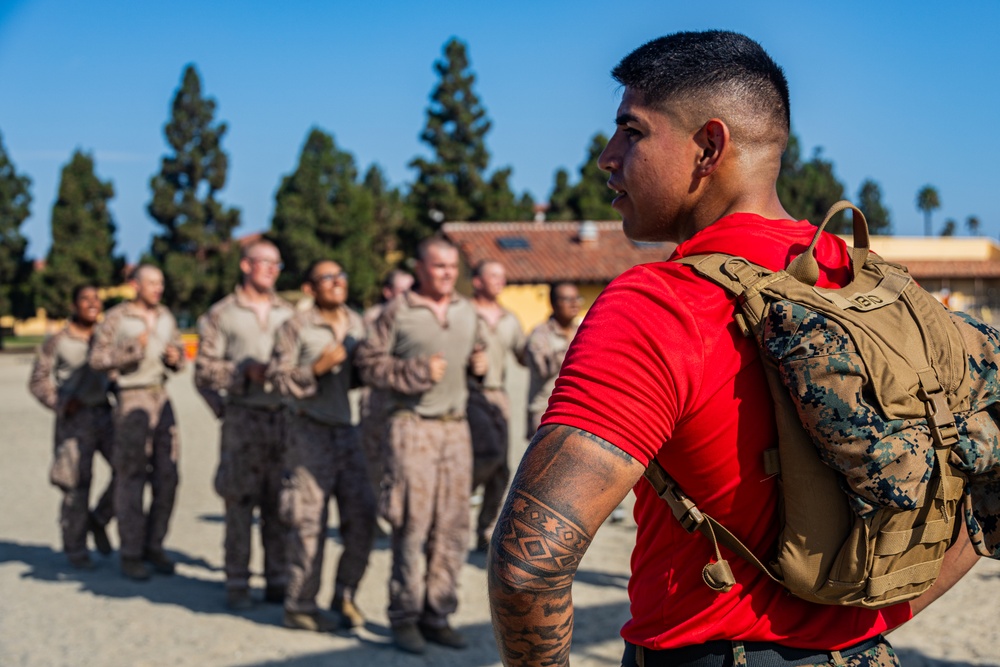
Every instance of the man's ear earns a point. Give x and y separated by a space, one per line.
713 139
307 289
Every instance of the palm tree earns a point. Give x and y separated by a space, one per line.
928 201
972 222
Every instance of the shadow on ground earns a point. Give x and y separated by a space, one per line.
200 595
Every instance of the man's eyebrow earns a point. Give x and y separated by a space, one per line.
626 118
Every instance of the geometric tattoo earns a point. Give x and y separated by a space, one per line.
536 542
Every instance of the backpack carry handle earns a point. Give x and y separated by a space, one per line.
805 269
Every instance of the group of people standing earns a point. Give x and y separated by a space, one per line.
434 426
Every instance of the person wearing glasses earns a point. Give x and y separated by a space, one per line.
235 338
312 365
546 348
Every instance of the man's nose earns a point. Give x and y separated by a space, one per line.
608 159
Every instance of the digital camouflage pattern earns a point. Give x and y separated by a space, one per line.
888 462
146 449
250 472
322 462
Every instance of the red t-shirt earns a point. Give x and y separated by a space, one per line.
659 368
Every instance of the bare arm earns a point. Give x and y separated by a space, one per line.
566 486
958 560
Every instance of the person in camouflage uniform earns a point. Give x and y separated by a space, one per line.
236 337
421 348
547 347
313 366
374 402
138 343
63 382
489 405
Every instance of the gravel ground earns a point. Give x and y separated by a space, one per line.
52 615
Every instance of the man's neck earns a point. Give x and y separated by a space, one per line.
252 293
81 329
485 302
436 299
146 307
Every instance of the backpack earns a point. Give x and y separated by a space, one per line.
886 406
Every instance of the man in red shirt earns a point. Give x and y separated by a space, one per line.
659 369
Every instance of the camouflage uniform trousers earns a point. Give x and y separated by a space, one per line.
374 404
324 461
489 414
78 438
146 449
251 467
880 655
425 498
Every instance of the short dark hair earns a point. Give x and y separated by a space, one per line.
554 287
477 270
431 241
308 278
718 70
75 294
390 278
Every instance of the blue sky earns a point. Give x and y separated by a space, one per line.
905 93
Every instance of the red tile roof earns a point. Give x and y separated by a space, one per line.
554 252
923 269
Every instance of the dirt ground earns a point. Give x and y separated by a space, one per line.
52 615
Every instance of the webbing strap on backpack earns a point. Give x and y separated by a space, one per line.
718 575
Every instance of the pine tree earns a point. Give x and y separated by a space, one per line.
15 207
454 185
322 212
450 187
591 198
83 240
808 189
559 201
195 248
870 203
499 202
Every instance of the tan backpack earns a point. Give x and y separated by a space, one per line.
880 412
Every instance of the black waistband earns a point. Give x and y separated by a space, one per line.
758 654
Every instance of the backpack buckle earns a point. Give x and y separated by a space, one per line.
940 418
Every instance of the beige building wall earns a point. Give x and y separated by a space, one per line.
894 248
531 302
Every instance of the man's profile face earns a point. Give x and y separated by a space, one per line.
87 307
651 162
491 281
328 285
261 267
149 286
438 271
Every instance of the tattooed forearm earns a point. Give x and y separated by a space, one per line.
566 485
537 548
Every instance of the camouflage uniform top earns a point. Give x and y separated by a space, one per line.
230 336
116 348
544 353
61 373
400 344
506 336
300 341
